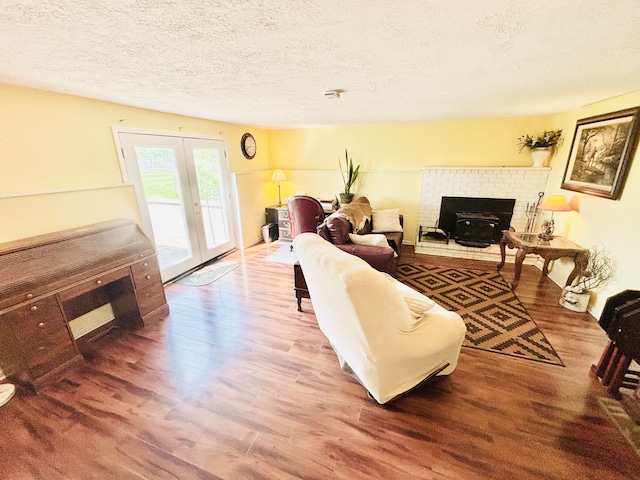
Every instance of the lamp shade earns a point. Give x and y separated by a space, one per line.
278 176
555 203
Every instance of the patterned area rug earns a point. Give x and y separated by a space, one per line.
208 274
625 425
495 318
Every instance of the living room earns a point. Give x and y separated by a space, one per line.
44 193
61 169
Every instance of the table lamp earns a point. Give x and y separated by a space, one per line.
278 176
553 203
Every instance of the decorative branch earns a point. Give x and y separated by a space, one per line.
599 270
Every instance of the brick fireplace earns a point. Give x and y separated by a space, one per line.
520 183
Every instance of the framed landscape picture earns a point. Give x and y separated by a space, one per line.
601 153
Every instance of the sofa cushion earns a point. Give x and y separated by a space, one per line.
366 229
386 221
339 229
373 239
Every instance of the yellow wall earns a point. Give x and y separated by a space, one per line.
59 167
391 156
611 223
406 146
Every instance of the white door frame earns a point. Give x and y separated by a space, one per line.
139 192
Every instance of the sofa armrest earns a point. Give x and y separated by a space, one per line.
380 258
395 240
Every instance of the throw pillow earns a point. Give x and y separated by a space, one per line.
386 221
373 239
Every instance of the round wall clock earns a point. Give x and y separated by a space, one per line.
248 145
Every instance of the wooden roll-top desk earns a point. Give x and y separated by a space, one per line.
51 283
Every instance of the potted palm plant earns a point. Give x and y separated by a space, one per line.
597 272
541 146
349 176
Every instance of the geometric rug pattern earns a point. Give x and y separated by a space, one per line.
496 320
625 425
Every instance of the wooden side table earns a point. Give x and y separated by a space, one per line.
299 285
553 249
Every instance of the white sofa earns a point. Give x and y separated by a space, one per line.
388 336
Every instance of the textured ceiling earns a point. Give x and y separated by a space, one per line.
268 62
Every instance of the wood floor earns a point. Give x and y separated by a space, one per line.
236 384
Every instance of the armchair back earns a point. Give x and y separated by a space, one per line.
305 214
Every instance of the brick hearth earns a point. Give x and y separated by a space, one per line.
520 183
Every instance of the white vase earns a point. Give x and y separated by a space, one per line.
577 302
540 156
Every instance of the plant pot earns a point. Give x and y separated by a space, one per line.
540 156
346 198
576 302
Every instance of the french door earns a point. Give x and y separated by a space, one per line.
182 188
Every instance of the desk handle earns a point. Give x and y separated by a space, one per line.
29 295
148 277
41 324
34 308
98 282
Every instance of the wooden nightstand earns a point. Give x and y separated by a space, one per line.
280 215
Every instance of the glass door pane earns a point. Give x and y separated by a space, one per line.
210 182
156 165
160 178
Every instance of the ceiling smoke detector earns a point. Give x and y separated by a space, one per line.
330 94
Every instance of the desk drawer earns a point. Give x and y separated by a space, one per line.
48 357
94 283
283 214
284 224
34 318
146 273
150 298
284 234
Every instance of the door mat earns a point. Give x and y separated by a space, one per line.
496 320
208 274
621 420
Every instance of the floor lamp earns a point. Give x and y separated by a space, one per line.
553 203
278 176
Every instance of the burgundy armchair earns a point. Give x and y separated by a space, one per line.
305 214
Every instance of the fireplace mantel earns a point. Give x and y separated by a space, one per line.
521 183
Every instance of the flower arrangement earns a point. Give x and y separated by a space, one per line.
350 175
549 138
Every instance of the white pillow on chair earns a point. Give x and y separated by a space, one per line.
386 220
372 239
